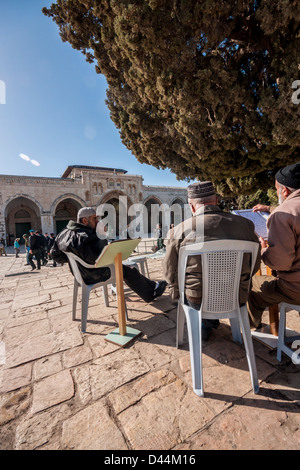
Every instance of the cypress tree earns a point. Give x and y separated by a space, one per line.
208 89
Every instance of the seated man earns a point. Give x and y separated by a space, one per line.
81 239
218 225
282 254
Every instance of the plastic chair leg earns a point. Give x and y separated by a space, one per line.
84 308
236 330
75 293
180 324
194 321
105 293
281 332
245 324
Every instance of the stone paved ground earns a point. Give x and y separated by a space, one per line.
61 389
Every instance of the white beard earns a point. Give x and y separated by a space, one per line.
280 198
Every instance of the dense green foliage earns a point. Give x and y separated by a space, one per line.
201 87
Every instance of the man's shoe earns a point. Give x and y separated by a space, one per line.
160 289
33 268
207 327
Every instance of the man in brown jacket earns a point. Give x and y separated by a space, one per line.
282 254
217 225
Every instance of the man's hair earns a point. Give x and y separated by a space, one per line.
203 200
291 190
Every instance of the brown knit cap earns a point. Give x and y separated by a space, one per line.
201 189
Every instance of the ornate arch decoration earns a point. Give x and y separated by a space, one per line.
180 199
61 198
111 195
10 200
152 197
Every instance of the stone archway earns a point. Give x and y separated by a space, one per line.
120 204
178 215
65 211
154 217
21 214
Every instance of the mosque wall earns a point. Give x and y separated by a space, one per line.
47 204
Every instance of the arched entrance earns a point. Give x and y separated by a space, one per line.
65 211
154 215
21 215
114 208
177 212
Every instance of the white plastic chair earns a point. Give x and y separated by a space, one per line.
221 272
86 288
282 337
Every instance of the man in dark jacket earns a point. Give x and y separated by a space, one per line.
81 239
50 243
35 246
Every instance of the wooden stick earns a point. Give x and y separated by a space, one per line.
273 312
120 294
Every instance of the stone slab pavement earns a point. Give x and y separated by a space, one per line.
64 390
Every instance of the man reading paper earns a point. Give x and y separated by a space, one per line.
81 239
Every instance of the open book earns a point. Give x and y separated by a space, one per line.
258 218
110 251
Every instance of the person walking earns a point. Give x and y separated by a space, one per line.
27 247
35 250
17 247
2 247
51 241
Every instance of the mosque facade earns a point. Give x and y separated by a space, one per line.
47 204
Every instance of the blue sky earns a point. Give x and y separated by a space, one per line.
54 109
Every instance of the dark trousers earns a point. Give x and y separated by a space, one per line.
37 255
205 322
140 284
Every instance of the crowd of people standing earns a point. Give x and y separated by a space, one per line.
37 247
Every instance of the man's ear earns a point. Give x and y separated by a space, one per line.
192 207
285 191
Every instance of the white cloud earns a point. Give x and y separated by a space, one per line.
28 159
25 157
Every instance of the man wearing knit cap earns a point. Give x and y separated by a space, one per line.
215 225
282 254
81 239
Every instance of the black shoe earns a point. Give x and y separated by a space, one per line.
207 327
33 268
160 289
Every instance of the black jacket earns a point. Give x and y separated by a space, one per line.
83 242
36 242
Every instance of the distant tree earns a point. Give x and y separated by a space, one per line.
204 88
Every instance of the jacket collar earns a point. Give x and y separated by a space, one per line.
292 195
206 209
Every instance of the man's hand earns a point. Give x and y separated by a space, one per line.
263 243
261 208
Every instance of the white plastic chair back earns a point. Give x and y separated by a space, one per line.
221 272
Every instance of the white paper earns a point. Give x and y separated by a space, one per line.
258 218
